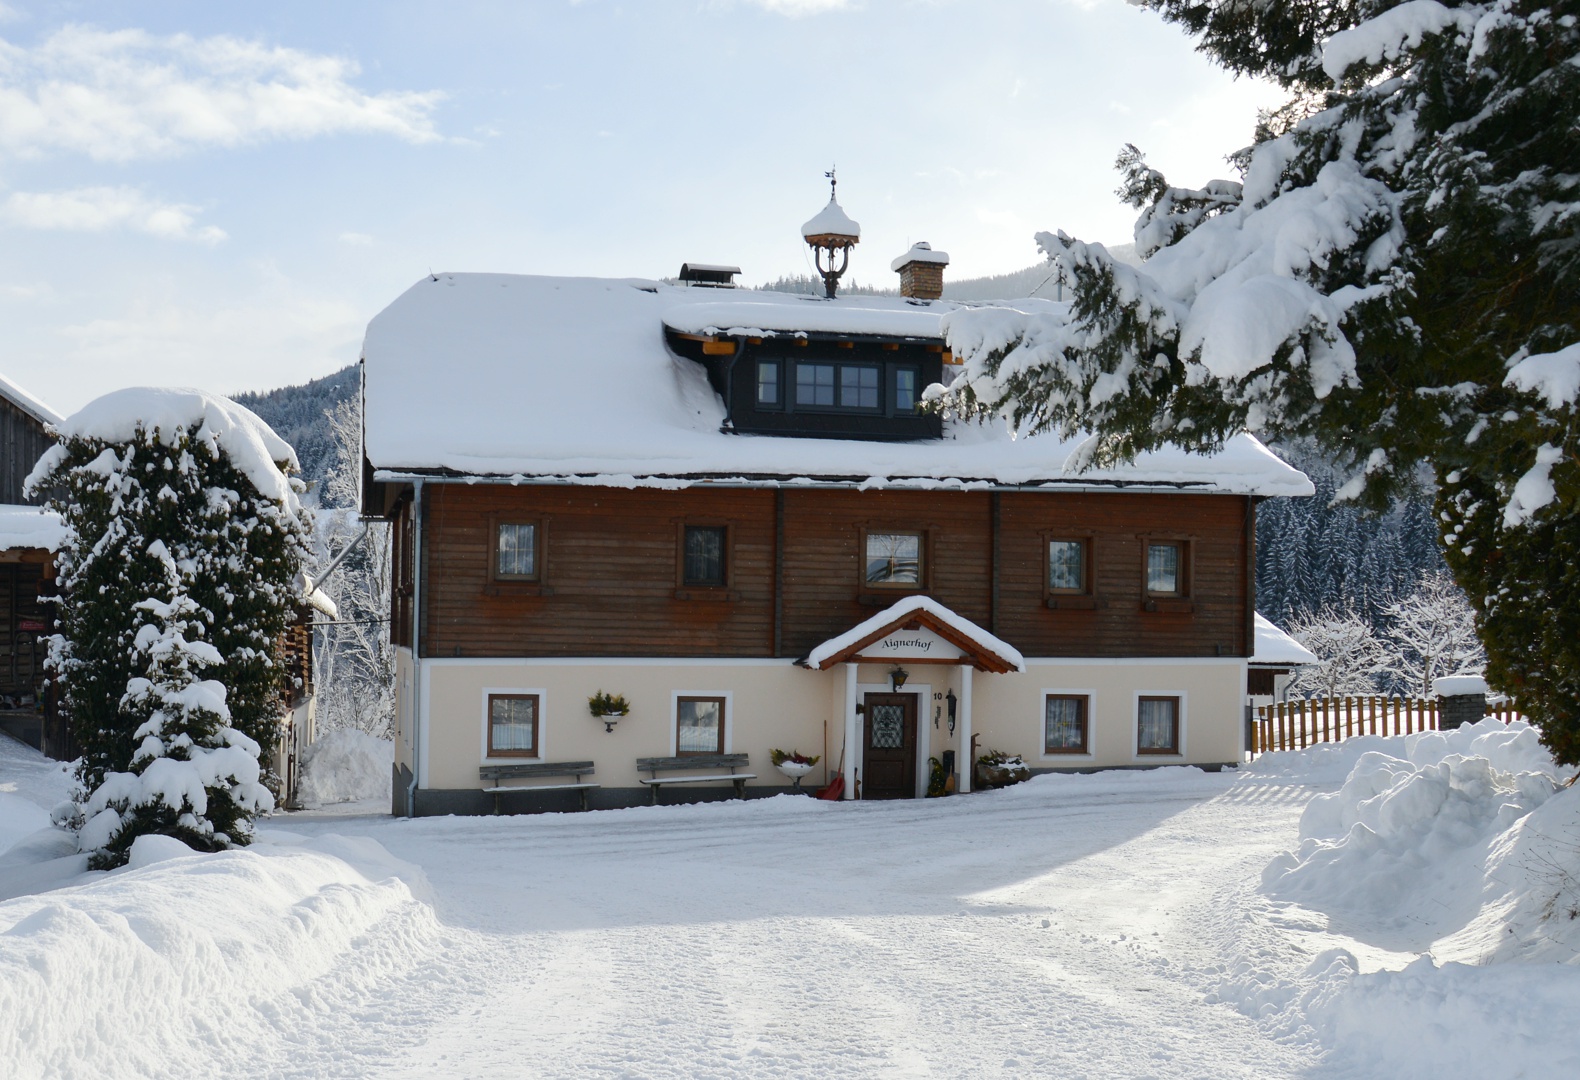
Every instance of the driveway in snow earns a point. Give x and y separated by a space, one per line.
1075 926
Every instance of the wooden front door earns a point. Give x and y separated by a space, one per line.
890 741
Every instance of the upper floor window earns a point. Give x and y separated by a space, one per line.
894 559
768 384
836 386
516 551
814 384
704 558
858 386
1067 566
1166 568
905 396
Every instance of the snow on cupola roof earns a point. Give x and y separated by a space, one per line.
831 221
570 380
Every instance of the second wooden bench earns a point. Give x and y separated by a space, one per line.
714 762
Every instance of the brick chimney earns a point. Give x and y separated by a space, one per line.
921 271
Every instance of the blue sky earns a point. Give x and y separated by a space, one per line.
222 195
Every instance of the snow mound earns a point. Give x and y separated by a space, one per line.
156 970
19 818
1514 747
1398 855
345 766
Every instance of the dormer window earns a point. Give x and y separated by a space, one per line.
858 386
814 384
904 390
768 384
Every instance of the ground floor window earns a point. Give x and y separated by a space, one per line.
699 725
1159 725
512 725
1064 726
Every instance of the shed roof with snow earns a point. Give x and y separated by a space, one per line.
570 379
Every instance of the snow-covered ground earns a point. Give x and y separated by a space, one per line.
1162 924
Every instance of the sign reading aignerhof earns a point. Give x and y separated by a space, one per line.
911 645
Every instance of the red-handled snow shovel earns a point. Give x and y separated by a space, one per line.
835 788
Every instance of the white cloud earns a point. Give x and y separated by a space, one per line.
126 94
9 13
99 209
797 8
356 239
282 334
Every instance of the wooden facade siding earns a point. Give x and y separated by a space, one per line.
22 443
609 582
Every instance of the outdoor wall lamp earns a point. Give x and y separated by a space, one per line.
950 697
897 677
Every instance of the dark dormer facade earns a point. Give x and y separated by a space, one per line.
821 386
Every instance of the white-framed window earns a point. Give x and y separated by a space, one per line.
700 722
1065 726
512 723
1158 723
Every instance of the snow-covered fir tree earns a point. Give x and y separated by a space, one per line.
181 566
1392 277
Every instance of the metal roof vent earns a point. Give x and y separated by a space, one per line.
708 276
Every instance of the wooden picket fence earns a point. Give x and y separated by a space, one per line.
1295 725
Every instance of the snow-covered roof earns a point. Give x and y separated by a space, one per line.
832 219
1273 646
27 402
921 252
250 444
924 609
549 378
30 527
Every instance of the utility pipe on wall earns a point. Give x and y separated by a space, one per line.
417 717
965 729
852 733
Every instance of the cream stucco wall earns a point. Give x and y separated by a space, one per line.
774 704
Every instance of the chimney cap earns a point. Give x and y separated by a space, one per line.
921 252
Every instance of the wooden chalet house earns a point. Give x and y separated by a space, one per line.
29 538
724 506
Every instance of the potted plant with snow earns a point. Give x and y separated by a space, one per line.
609 708
996 769
794 765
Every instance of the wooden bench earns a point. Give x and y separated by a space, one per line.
656 765
536 770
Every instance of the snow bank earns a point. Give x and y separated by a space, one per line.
345 766
164 967
249 443
1398 855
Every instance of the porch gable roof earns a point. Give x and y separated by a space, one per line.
981 649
